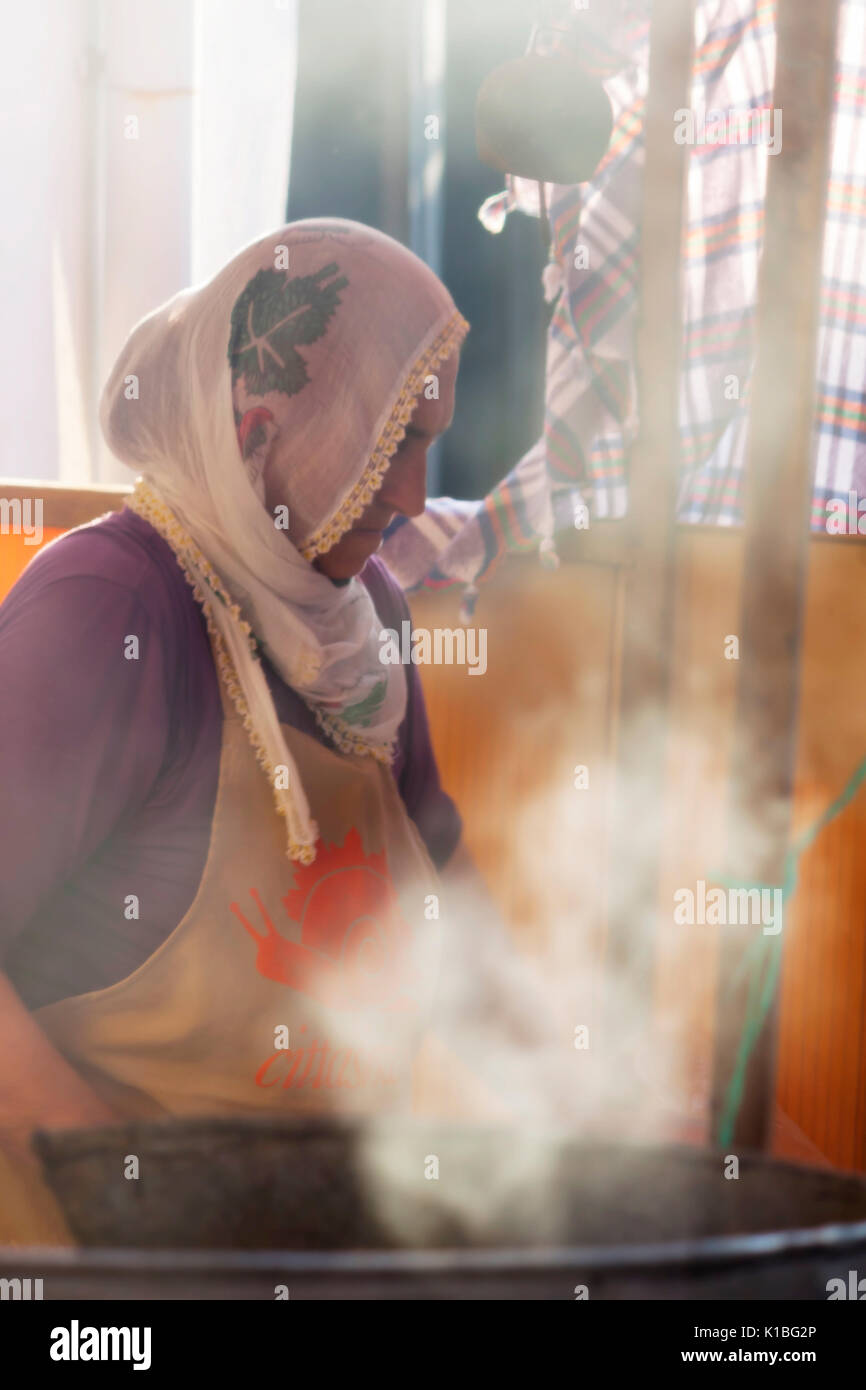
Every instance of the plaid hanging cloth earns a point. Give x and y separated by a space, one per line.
577 472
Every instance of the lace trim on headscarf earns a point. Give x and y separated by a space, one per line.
360 496
145 502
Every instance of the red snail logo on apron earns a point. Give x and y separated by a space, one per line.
355 945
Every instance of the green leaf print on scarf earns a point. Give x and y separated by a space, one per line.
271 316
363 711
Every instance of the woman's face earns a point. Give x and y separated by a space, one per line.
404 487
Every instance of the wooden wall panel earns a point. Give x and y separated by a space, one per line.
500 741
822 1052
508 743
15 556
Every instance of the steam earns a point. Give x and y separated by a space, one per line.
552 1036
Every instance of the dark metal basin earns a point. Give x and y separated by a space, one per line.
316 1185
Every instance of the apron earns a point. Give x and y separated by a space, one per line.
285 989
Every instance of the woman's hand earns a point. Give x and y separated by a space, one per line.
38 1087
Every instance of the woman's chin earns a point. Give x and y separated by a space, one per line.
349 556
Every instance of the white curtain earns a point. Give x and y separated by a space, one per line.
141 145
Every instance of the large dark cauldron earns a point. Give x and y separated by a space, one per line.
429 1210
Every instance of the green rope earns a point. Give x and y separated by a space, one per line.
763 958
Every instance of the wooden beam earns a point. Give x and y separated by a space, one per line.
62 506
777 511
645 674
610 542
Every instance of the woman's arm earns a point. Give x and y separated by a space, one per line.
70 768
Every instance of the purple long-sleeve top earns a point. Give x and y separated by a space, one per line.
109 767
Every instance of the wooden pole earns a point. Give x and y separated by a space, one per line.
649 577
777 507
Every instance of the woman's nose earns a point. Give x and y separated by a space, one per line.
405 485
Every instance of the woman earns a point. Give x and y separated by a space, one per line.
219 863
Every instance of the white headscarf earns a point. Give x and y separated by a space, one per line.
314 343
